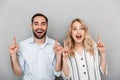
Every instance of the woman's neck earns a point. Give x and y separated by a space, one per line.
79 48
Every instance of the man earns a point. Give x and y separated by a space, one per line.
38 57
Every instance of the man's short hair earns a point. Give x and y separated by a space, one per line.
39 14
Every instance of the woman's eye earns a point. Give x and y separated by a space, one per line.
82 28
74 29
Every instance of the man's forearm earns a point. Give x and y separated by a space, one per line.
58 65
15 65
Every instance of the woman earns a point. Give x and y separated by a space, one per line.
81 60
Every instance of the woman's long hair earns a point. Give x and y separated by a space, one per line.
88 42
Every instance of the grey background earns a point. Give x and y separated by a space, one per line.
101 16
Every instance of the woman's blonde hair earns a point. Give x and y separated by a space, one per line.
87 42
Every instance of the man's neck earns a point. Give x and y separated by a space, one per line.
40 41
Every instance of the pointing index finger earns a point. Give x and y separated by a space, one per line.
99 38
64 43
56 41
14 40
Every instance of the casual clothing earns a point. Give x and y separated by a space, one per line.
37 62
84 68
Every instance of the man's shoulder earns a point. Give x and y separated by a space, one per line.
26 41
51 40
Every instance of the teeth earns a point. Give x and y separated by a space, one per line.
39 31
79 36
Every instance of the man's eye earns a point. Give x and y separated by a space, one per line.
43 23
35 23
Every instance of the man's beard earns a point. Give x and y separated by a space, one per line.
39 37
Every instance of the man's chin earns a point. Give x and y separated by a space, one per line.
40 36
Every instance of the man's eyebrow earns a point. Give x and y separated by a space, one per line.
38 22
43 22
35 22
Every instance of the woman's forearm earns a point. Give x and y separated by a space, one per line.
103 62
65 68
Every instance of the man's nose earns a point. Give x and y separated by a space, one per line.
39 26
